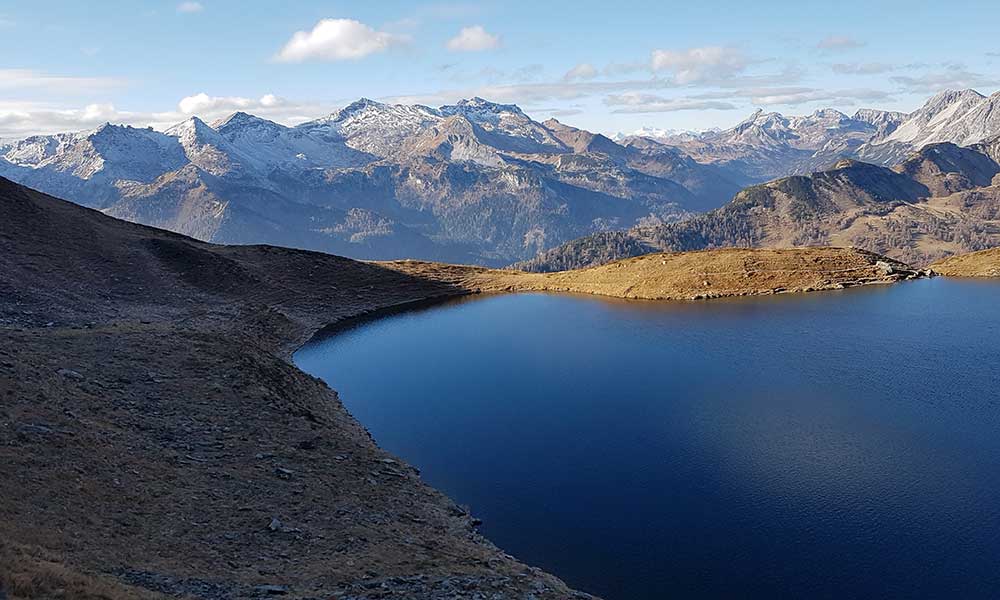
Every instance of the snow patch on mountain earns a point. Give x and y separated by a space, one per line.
373 127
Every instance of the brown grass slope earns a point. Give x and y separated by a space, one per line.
154 437
694 275
985 263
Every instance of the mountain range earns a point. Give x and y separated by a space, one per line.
943 199
770 145
476 181
472 182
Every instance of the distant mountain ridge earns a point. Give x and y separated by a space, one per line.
942 200
476 181
770 145
471 182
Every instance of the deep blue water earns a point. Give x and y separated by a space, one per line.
840 444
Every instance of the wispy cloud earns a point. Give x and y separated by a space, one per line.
798 96
870 68
20 119
335 40
529 94
582 71
649 103
839 42
696 65
27 79
473 39
954 77
190 7
559 112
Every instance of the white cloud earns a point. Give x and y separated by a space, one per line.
204 104
872 68
839 42
201 103
581 71
21 119
190 7
956 77
270 100
633 102
797 96
526 94
26 79
696 65
473 39
337 39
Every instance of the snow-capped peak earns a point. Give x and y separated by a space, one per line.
479 105
512 129
960 116
243 120
191 128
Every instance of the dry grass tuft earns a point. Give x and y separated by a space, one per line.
30 572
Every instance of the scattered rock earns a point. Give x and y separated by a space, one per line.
31 429
69 374
273 590
278 527
885 267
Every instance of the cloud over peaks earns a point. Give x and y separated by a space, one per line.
631 102
337 39
473 39
203 103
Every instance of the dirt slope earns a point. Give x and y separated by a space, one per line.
155 439
985 263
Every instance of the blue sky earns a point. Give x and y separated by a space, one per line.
605 66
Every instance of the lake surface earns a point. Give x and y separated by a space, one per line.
837 444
